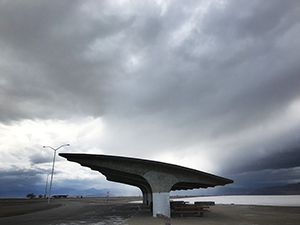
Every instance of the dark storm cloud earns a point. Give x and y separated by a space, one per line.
266 178
37 159
256 19
17 177
275 164
55 37
16 171
264 101
163 79
236 90
46 42
40 157
284 159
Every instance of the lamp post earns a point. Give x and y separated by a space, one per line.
46 185
54 149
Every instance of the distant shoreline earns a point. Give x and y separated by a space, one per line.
263 200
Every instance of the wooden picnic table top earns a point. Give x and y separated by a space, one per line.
205 203
178 202
191 207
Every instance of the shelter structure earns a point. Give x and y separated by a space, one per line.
155 179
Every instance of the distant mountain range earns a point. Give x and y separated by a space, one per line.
290 189
92 192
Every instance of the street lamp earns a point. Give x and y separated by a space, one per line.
54 149
46 185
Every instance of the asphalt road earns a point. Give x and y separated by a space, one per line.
77 211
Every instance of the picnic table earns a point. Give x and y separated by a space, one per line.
182 208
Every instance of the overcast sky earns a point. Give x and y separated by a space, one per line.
210 85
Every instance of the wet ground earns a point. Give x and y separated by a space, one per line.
119 211
100 215
67 211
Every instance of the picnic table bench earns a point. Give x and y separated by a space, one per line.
191 209
182 208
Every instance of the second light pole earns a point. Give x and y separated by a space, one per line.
46 185
54 149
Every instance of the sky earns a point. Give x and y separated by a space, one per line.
210 85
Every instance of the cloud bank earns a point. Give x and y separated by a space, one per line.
211 85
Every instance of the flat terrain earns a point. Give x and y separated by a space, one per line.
119 211
13 207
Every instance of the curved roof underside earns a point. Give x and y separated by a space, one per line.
132 171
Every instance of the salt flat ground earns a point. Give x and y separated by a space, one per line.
118 211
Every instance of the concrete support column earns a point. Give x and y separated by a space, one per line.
146 191
161 184
145 198
149 198
161 203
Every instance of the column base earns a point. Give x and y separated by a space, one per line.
161 203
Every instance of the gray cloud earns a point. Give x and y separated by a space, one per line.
266 178
18 177
283 159
166 78
37 159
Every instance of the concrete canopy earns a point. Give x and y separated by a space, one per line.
155 179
